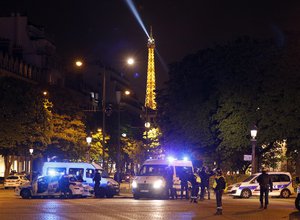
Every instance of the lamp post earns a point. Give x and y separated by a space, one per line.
147 127
253 141
103 117
118 98
79 63
88 140
31 153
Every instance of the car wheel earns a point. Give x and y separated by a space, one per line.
297 202
136 196
67 194
25 194
285 193
109 195
246 193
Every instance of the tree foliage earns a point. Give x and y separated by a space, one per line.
24 120
214 97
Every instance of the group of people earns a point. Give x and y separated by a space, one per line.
201 180
198 180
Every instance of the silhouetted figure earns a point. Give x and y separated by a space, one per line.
265 184
195 182
64 184
219 186
204 175
169 182
97 179
183 176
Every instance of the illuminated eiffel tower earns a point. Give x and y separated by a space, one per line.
150 102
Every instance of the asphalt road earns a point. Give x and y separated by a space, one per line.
124 207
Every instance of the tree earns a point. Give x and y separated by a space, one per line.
67 123
214 96
24 120
97 150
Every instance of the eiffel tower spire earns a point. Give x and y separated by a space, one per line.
150 101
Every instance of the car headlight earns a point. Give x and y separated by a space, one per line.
134 184
158 184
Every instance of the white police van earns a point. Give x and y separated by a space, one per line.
282 186
150 181
86 172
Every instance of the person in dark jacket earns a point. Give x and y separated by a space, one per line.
219 186
205 175
183 176
265 184
169 182
97 179
195 182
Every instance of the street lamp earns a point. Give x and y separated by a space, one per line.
31 153
130 61
253 133
118 98
88 140
79 63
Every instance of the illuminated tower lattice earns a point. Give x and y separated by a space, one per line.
150 88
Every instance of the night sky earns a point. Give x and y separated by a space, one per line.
108 30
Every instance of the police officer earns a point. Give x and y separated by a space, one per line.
265 183
219 185
97 179
183 176
195 182
169 182
204 175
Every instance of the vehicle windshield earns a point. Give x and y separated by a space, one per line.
249 178
103 173
152 170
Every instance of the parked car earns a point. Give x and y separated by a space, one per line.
282 186
1 180
297 200
108 187
66 186
13 181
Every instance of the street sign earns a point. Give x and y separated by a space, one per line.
247 157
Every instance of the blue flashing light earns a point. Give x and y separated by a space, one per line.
185 158
52 172
171 159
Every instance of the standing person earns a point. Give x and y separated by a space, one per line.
183 176
169 182
195 182
219 186
205 175
97 179
265 184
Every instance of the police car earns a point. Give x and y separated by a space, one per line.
282 186
50 186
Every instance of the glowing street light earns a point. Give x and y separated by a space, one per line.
253 133
127 92
130 61
79 63
89 141
31 153
147 124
